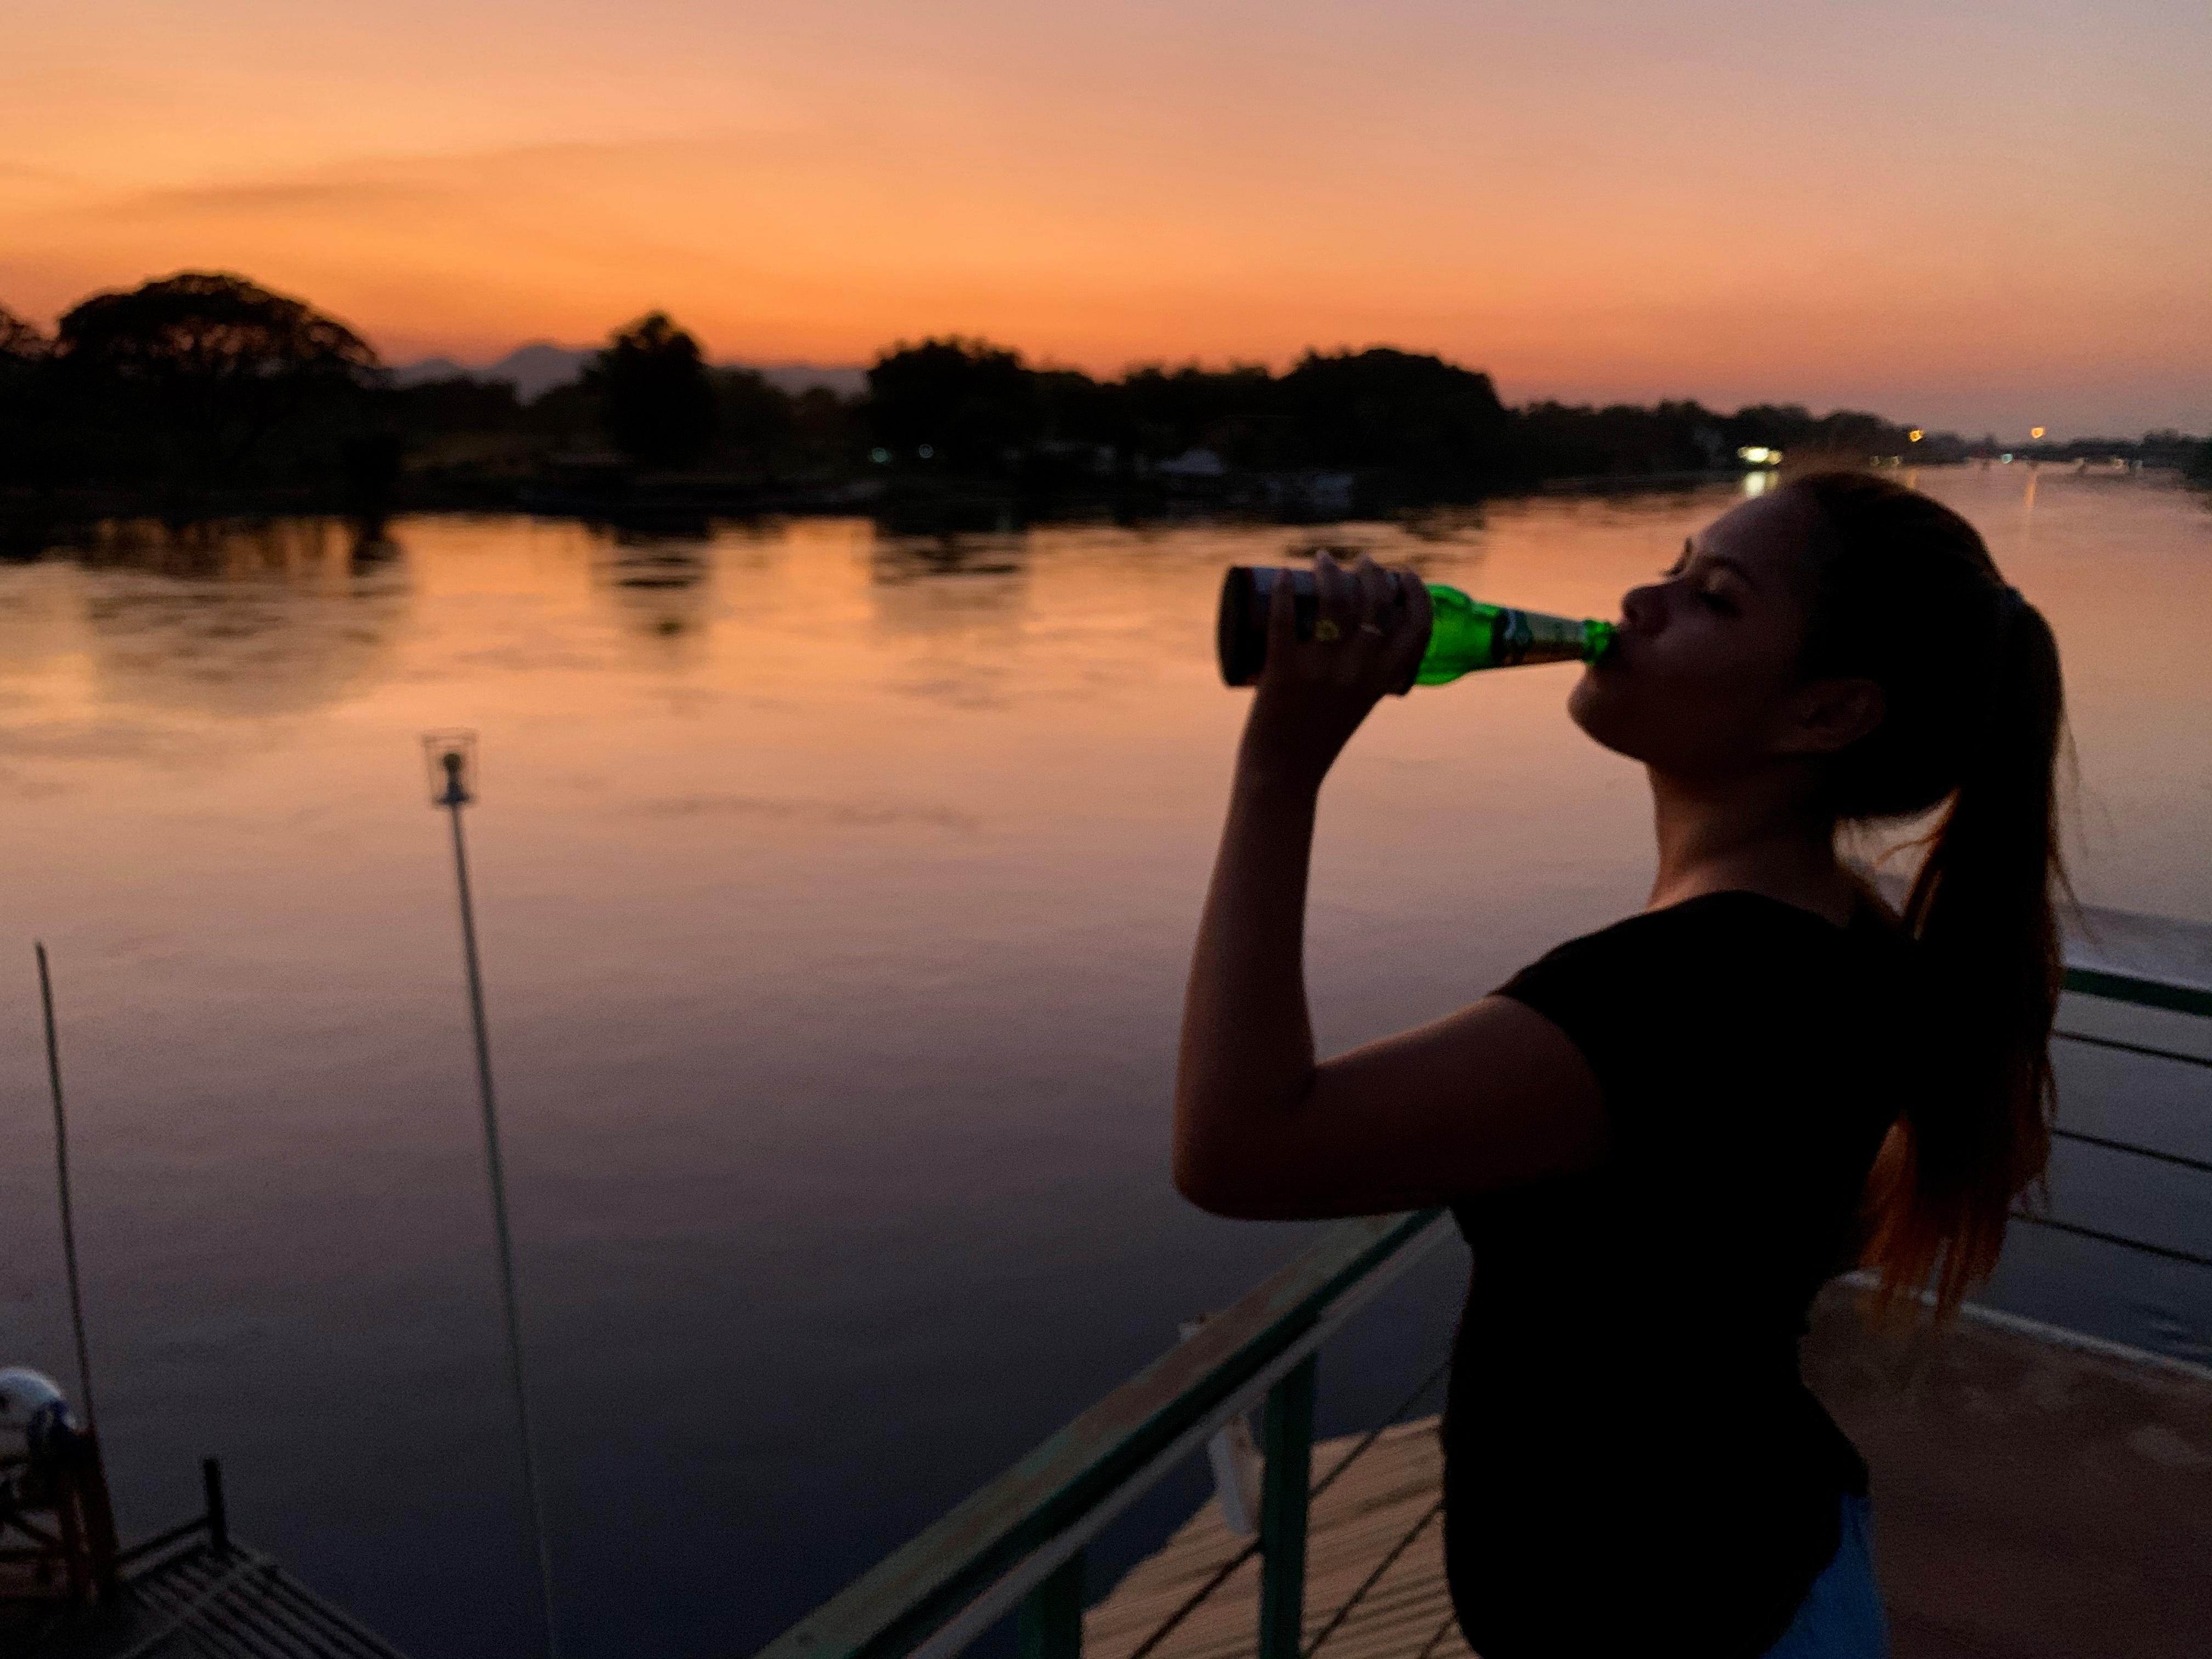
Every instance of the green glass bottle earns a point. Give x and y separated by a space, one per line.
1465 636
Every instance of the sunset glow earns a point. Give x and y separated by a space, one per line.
1964 216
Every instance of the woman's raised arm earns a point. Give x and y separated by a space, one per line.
1490 1096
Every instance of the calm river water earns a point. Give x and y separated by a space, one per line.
834 891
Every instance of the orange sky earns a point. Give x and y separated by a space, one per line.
1974 216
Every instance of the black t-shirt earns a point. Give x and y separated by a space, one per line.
1632 1461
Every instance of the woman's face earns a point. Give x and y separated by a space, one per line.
1702 683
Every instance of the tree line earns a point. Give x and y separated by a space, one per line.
205 387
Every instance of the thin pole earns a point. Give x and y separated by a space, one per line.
69 1219
505 1245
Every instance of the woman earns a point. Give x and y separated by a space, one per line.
1662 1139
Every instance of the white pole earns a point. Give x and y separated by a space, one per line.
454 798
69 1220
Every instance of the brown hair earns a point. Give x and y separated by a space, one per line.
1905 594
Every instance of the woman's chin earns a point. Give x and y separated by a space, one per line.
1585 700
1596 705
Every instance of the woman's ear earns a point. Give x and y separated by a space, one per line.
1833 714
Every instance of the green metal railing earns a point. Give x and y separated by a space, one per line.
2143 993
2139 990
1017 1547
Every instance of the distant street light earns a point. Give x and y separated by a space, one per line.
1915 436
2035 431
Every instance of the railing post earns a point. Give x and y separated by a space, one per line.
1286 1439
1050 1623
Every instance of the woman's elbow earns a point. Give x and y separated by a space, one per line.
1202 1182
1195 1181
1231 1192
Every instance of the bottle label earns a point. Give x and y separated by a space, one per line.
1525 637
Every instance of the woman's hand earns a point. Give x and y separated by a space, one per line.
1370 626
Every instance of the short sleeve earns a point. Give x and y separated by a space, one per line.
1602 991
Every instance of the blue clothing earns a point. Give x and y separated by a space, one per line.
1841 1616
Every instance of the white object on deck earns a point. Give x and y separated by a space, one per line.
1238 1468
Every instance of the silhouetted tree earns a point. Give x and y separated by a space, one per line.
829 433
1231 411
757 418
1575 441
1073 408
24 369
656 400
967 402
457 406
566 416
204 378
1437 427
19 343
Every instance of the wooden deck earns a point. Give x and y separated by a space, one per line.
1391 1491
198 1602
2032 1500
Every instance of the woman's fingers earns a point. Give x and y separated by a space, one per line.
1409 641
1333 604
1368 591
1370 624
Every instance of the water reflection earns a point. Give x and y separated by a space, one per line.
662 585
1447 525
875 927
955 605
319 554
899 559
251 618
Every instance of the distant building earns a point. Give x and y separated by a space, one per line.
1194 465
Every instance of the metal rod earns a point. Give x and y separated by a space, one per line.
505 1245
2171 1254
69 1219
2133 1047
2197 1163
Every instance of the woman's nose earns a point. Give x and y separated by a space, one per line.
1641 608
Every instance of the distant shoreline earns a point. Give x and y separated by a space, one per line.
676 503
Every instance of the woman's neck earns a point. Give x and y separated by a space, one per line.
1749 840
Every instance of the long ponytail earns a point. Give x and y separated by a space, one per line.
1975 719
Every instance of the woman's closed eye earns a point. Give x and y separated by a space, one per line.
1712 596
